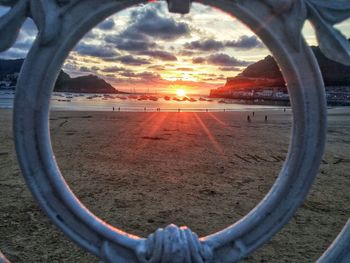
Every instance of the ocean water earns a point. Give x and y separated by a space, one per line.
100 102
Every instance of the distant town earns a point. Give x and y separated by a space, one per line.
262 83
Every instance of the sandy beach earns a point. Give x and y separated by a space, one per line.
142 171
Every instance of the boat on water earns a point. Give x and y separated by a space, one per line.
143 97
153 98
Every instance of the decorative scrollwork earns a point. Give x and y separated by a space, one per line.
174 244
45 13
323 15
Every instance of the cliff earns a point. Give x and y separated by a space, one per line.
266 73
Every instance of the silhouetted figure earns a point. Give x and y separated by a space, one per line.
248 118
119 109
206 110
113 108
178 110
265 118
144 109
253 113
284 109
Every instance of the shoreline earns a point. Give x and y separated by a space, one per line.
142 171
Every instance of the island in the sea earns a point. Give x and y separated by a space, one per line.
262 82
9 71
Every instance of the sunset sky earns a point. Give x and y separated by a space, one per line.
145 47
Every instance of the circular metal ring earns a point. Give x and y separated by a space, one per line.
33 145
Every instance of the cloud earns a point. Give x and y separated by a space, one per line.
24 41
198 60
225 60
96 51
243 43
184 69
84 69
205 45
150 22
124 42
143 75
186 53
106 25
131 60
113 69
229 68
162 55
157 67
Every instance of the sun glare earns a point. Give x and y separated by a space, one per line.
180 93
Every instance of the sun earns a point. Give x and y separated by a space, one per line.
180 93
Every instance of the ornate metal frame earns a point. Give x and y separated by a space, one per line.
62 23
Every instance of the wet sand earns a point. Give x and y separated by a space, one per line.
142 171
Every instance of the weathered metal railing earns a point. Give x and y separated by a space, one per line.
62 23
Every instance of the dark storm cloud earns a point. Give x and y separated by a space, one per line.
131 60
91 35
96 51
146 25
106 25
130 44
244 42
205 45
162 55
186 53
225 60
198 60
151 22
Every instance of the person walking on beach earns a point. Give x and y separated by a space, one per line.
253 113
113 108
265 118
248 118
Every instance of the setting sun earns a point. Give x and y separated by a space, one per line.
180 93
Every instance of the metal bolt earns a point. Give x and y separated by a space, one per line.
179 6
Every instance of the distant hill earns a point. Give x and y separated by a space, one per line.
64 83
10 66
84 84
266 73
